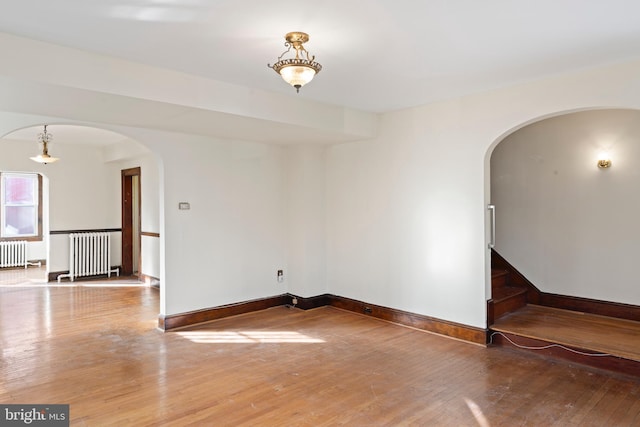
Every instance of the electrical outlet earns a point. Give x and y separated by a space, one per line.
294 301
280 276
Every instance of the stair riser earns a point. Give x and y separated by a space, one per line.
610 363
508 305
499 281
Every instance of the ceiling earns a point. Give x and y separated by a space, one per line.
377 55
69 134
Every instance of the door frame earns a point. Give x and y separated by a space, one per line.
129 237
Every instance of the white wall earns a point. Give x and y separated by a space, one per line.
80 191
126 155
229 245
569 227
306 220
407 219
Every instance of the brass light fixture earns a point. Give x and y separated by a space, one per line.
44 138
296 71
604 160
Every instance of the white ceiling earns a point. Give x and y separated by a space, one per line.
378 55
68 134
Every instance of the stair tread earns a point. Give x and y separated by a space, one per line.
507 292
499 273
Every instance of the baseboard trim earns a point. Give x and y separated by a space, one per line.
413 320
591 306
53 275
308 303
418 321
173 321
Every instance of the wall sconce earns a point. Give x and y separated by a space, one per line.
604 163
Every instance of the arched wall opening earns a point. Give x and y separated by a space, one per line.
567 225
82 190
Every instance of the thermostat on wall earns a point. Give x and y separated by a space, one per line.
184 206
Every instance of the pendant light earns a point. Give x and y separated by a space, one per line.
44 138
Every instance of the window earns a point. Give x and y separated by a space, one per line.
21 203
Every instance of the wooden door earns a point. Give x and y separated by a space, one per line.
131 222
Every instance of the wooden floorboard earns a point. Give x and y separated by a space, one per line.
617 337
98 350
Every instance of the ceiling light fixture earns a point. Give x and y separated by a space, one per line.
44 138
296 71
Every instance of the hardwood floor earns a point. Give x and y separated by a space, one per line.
23 276
617 337
97 349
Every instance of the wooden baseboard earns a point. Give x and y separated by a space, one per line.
311 302
180 320
53 275
418 321
591 306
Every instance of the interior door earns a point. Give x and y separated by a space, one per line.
131 199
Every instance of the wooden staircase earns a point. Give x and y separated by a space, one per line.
590 332
506 296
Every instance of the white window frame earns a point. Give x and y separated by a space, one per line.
37 182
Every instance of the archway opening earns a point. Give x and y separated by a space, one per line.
82 192
567 225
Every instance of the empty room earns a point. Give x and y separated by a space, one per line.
319 213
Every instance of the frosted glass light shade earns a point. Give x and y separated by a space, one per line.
44 138
297 75
297 71
44 158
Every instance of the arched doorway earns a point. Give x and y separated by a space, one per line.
567 225
82 192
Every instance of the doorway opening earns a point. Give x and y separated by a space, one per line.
131 201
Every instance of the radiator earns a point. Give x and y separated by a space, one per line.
89 255
13 254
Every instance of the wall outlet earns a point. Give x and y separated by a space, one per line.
294 301
280 276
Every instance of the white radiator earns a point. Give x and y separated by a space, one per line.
89 255
13 254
